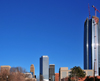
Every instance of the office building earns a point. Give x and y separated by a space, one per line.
7 68
65 73
56 76
44 68
89 72
32 69
52 72
92 44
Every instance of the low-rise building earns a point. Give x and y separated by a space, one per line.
89 72
56 76
6 67
64 72
28 75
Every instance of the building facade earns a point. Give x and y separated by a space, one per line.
44 68
28 75
56 76
7 68
92 44
52 72
32 70
65 73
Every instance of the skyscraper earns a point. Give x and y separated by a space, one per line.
52 72
44 68
92 44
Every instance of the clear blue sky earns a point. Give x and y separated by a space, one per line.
32 28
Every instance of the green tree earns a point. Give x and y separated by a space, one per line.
77 72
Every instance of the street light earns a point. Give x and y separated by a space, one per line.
7 78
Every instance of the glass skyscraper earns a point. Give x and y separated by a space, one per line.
92 44
44 68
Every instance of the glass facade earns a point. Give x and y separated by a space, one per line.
86 44
44 67
91 44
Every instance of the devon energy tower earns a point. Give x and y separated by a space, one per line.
92 44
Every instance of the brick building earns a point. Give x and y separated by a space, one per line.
56 76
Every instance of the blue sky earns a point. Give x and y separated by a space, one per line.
32 28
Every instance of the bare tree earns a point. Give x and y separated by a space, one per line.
18 69
19 76
3 75
16 74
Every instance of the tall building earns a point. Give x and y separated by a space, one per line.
32 69
44 68
92 44
52 72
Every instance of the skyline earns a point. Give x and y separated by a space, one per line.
31 29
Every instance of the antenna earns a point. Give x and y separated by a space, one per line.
89 11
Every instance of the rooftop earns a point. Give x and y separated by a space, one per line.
44 56
51 64
6 66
